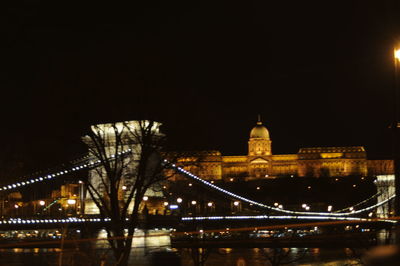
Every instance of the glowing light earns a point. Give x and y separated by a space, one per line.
397 54
49 176
145 198
210 204
42 202
194 202
166 203
71 201
251 202
236 203
123 187
329 208
179 200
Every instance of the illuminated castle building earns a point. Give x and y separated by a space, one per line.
260 162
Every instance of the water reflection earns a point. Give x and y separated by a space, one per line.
142 239
145 242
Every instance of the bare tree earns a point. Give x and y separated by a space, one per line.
130 162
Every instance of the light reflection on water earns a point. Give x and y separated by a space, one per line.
142 245
150 239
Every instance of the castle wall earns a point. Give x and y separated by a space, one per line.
316 161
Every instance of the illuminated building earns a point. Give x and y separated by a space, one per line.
260 162
109 137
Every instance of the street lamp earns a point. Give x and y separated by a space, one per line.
395 126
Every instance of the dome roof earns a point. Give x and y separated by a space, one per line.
259 131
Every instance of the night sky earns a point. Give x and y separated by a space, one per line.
320 73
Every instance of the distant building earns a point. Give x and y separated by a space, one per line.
260 162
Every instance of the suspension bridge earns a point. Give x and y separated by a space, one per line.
350 214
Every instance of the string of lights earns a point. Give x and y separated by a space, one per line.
279 217
74 168
196 218
46 221
233 195
192 176
360 203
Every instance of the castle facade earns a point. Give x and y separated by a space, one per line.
260 162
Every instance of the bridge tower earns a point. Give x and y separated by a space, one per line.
108 133
385 187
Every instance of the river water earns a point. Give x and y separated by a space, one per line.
221 257
144 250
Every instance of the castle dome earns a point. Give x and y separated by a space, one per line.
259 131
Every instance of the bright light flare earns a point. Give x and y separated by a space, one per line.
397 54
71 201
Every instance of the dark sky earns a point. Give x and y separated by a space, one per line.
319 72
